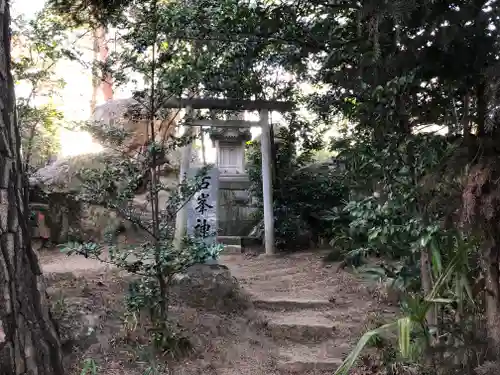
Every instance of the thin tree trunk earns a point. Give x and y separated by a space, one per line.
481 109
465 118
425 270
155 208
107 80
95 74
491 271
29 342
100 82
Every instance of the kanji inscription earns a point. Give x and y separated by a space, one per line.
202 210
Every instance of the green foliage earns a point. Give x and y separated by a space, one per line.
238 40
39 127
155 261
399 209
415 335
388 214
391 66
89 367
37 47
397 68
84 12
302 191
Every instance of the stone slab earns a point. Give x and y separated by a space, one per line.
307 326
298 358
287 303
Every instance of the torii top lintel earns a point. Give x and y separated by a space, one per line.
230 104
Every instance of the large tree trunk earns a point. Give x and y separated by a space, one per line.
29 343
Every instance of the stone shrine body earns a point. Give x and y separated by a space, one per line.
235 206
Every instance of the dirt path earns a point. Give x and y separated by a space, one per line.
53 261
312 313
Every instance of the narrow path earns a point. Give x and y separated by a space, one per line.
314 314
55 262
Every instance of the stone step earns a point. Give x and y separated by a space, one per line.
229 240
316 358
231 249
300 326
280 303
277 274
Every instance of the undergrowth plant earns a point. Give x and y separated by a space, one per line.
397 214
154 259
395 208
303 189
422 346
89 367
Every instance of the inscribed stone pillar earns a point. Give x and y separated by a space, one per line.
202 209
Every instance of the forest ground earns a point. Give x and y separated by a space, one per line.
303 318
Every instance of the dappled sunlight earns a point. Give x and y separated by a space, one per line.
78 143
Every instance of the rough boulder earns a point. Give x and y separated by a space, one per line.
210 286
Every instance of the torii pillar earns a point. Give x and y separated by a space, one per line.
267 182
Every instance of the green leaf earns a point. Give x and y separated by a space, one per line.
405 326
353 356
437 265
445 276
89 367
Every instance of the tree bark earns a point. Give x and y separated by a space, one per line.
425 271
481 109
95 75
106 80
29 342
100 83
492 275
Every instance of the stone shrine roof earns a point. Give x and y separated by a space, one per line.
230 134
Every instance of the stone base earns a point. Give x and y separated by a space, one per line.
231 249
229 240
234 181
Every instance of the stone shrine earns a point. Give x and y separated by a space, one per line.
234 199
230 146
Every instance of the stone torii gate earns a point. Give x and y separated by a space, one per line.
263 106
